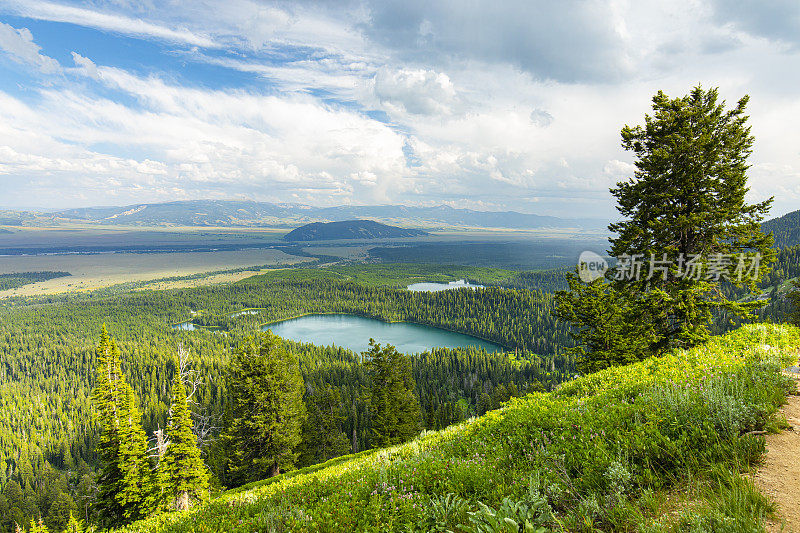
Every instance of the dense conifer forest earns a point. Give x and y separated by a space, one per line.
48 438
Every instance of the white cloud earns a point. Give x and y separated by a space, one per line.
417 91
201 140
508 105
108 22
18 43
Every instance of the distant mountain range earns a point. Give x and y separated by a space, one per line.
246 213
350 229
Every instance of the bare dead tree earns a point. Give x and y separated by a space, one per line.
204 424
191 378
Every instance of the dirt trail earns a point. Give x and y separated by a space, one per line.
779 478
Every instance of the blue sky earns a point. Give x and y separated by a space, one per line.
486 105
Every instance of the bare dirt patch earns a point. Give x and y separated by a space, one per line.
779 478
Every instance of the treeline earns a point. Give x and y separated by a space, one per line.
400 275
18 279
513 318
785 229
47 359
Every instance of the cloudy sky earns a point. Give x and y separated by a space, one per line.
499 104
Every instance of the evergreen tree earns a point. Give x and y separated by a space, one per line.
135 485
794 299
395 414
38 527
106 399
686 231
74 525
687 198
186 472
323 438
123 475
60 509
266 409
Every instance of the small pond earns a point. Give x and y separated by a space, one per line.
435 287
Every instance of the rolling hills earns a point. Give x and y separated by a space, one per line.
249 213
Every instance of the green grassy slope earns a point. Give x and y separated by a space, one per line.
600 453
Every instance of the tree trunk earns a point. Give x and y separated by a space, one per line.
274 470
182 501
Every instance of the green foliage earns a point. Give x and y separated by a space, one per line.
107 398
323 438
401 275
794 299
785 230
124 477
266 409
530 514
609 329
38 527
136 484
185 471
394 408
74 525
597 446
685 202
49 446
732 504
687 197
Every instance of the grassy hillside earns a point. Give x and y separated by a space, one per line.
620 450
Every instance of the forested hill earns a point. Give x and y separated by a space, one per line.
786 229
350 229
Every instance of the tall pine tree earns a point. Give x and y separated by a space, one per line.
323 438
686 204
106 399
135 487
184 468
686 231
123 474
266 409
395 414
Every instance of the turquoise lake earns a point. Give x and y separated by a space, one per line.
354 332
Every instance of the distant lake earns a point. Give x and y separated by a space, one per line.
353 332
434 287
185 326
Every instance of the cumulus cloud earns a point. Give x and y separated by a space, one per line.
565 41
19 45
196 139
417 91
516 104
